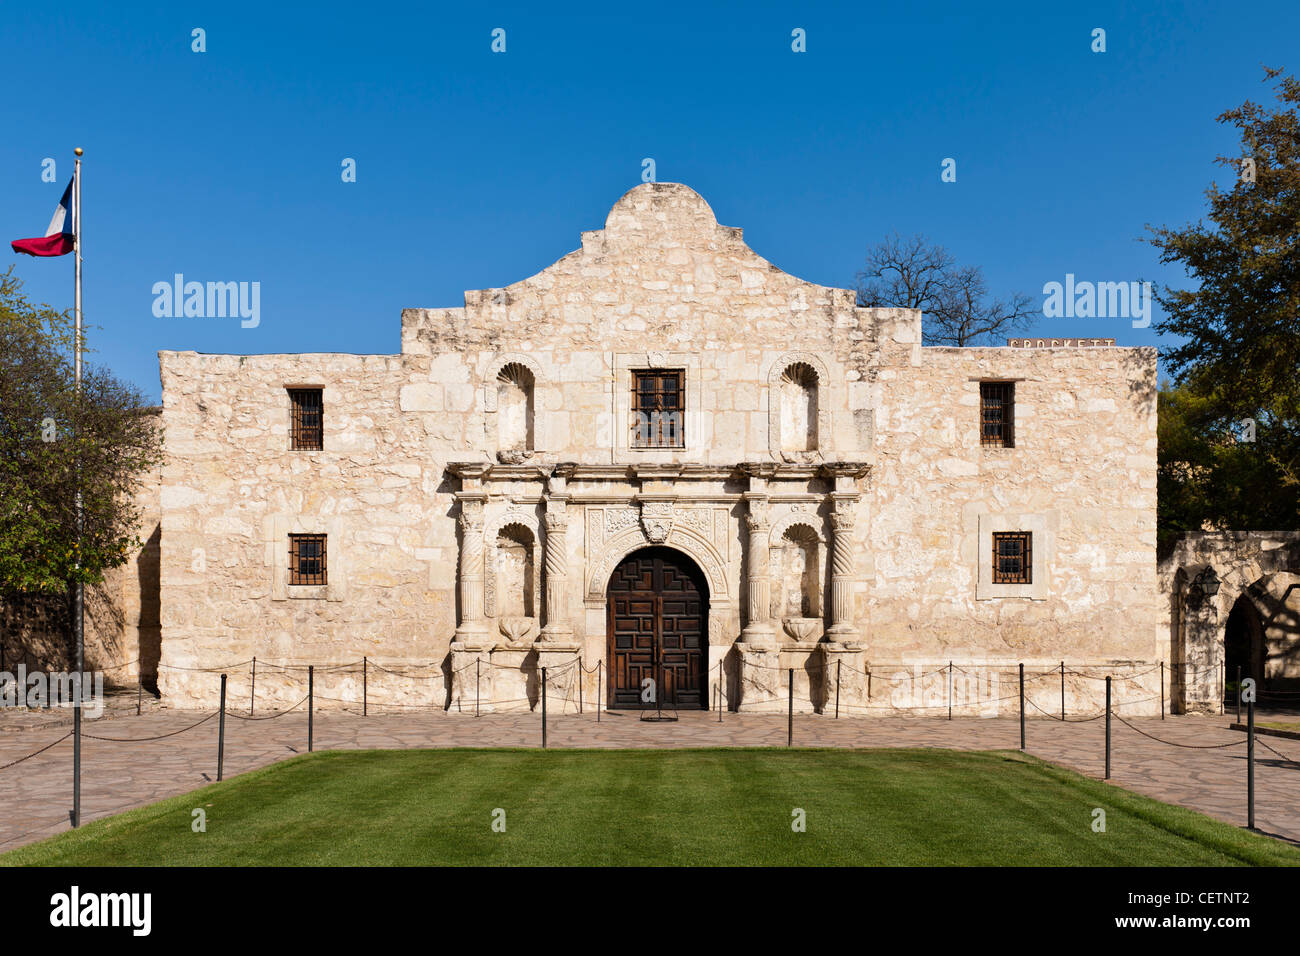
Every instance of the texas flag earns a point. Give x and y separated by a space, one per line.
59 239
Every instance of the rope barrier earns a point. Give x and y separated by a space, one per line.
1171 743
1116 676
379 667
226 667
1064 720
138 740
45 826
36 753
231 713
1289 760
114 667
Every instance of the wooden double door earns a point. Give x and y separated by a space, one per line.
657 630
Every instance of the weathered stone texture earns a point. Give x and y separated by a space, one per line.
885 459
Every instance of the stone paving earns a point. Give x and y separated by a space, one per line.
35 795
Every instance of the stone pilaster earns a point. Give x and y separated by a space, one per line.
759 629
473 630
555 583
758 678
471 679
842 522
844 504
843 670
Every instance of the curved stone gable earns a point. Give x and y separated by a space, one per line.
661 272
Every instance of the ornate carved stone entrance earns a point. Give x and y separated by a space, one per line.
656 606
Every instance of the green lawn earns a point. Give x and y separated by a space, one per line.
1291 725
656 807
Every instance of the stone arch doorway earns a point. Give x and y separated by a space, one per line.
1243 643
657 628
1178 644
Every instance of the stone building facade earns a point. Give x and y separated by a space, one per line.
663 469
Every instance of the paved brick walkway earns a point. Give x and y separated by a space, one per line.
36 794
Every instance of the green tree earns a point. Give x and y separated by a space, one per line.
1230 431
53 441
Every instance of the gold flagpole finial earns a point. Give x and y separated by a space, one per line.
77 150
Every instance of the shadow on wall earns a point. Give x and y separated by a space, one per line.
35 632
122 625
149 626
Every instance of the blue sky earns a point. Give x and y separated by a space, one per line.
476 169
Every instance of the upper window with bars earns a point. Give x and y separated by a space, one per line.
307 419
307 559
998 414
1013 557
658 408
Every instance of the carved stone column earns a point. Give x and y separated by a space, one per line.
844 505
842 521
758 583
473 626
555 583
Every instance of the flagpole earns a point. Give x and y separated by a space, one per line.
79 606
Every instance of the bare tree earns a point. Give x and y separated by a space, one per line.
913 274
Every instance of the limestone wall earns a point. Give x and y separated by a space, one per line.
1081 476
663 285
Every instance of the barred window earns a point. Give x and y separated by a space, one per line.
1013 557
658 412
997 413
308 419
307 559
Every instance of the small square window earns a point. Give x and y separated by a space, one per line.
307 559
307 408
658 408
997 414
1013 557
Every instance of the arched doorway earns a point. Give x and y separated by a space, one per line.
657 602
1178 644
1243 643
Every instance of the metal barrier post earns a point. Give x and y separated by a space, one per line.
311 691
838 662
543 708
1250 765
1108 727
789 727
139 686
1062 690
75 813
1022 706
221 731
478 677
365 690
1162 690
950 690
252 694
600 691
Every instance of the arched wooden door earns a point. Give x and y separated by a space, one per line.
657 602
